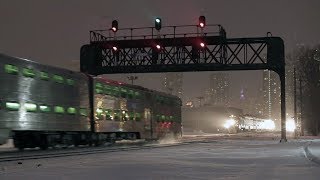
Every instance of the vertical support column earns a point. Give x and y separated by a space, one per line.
283 105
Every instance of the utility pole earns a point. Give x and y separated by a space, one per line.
132 78
295 101
301 107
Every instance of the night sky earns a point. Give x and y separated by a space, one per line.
52 32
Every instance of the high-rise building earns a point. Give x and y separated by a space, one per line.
172 83
271 95
219 89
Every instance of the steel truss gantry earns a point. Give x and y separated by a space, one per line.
180 49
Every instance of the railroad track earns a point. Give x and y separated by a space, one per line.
29 155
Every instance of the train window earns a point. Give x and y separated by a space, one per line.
59 109
30 107
123 93
83 112
116 115
130 94
137 95
13 106
71 110
163 118
158 117
28 72
131 116
44 75
44 108
109 114
138 117
70 82
116 91
99 114
99 88
11 69
57 78
107 90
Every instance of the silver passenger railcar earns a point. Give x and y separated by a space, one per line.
38 100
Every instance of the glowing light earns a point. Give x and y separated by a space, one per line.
114 48
202 44
114 29
268 124
158 46
229 123
201 24
158 20
290 125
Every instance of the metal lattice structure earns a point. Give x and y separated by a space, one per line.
182 49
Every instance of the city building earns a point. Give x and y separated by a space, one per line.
219 89
172 83
271 96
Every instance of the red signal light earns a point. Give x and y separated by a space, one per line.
158 46
202 45
114 48
114 26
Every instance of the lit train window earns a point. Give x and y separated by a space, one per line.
116 115
137 95
99 88
130 94
109 114
71 110
116 91
28 72
70 82
30 107
59 109
44 108
108 90
131 116
44 75
57 78
138 117
83 112
12 106
123 93
11 69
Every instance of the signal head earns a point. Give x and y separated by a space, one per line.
157 24
114 27
202 21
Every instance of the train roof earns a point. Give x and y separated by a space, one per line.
119 83
103 79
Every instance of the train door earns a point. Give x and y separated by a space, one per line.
148 125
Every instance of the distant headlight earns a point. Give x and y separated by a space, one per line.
290 125
229 123
268 124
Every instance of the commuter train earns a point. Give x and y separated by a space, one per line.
42 106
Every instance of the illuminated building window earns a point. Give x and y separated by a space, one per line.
28 72
11 69
83 112
71 110
44 75
12 106
59 109
58 79
44 108
30 107
70 82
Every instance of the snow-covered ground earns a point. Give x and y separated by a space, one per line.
219 159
